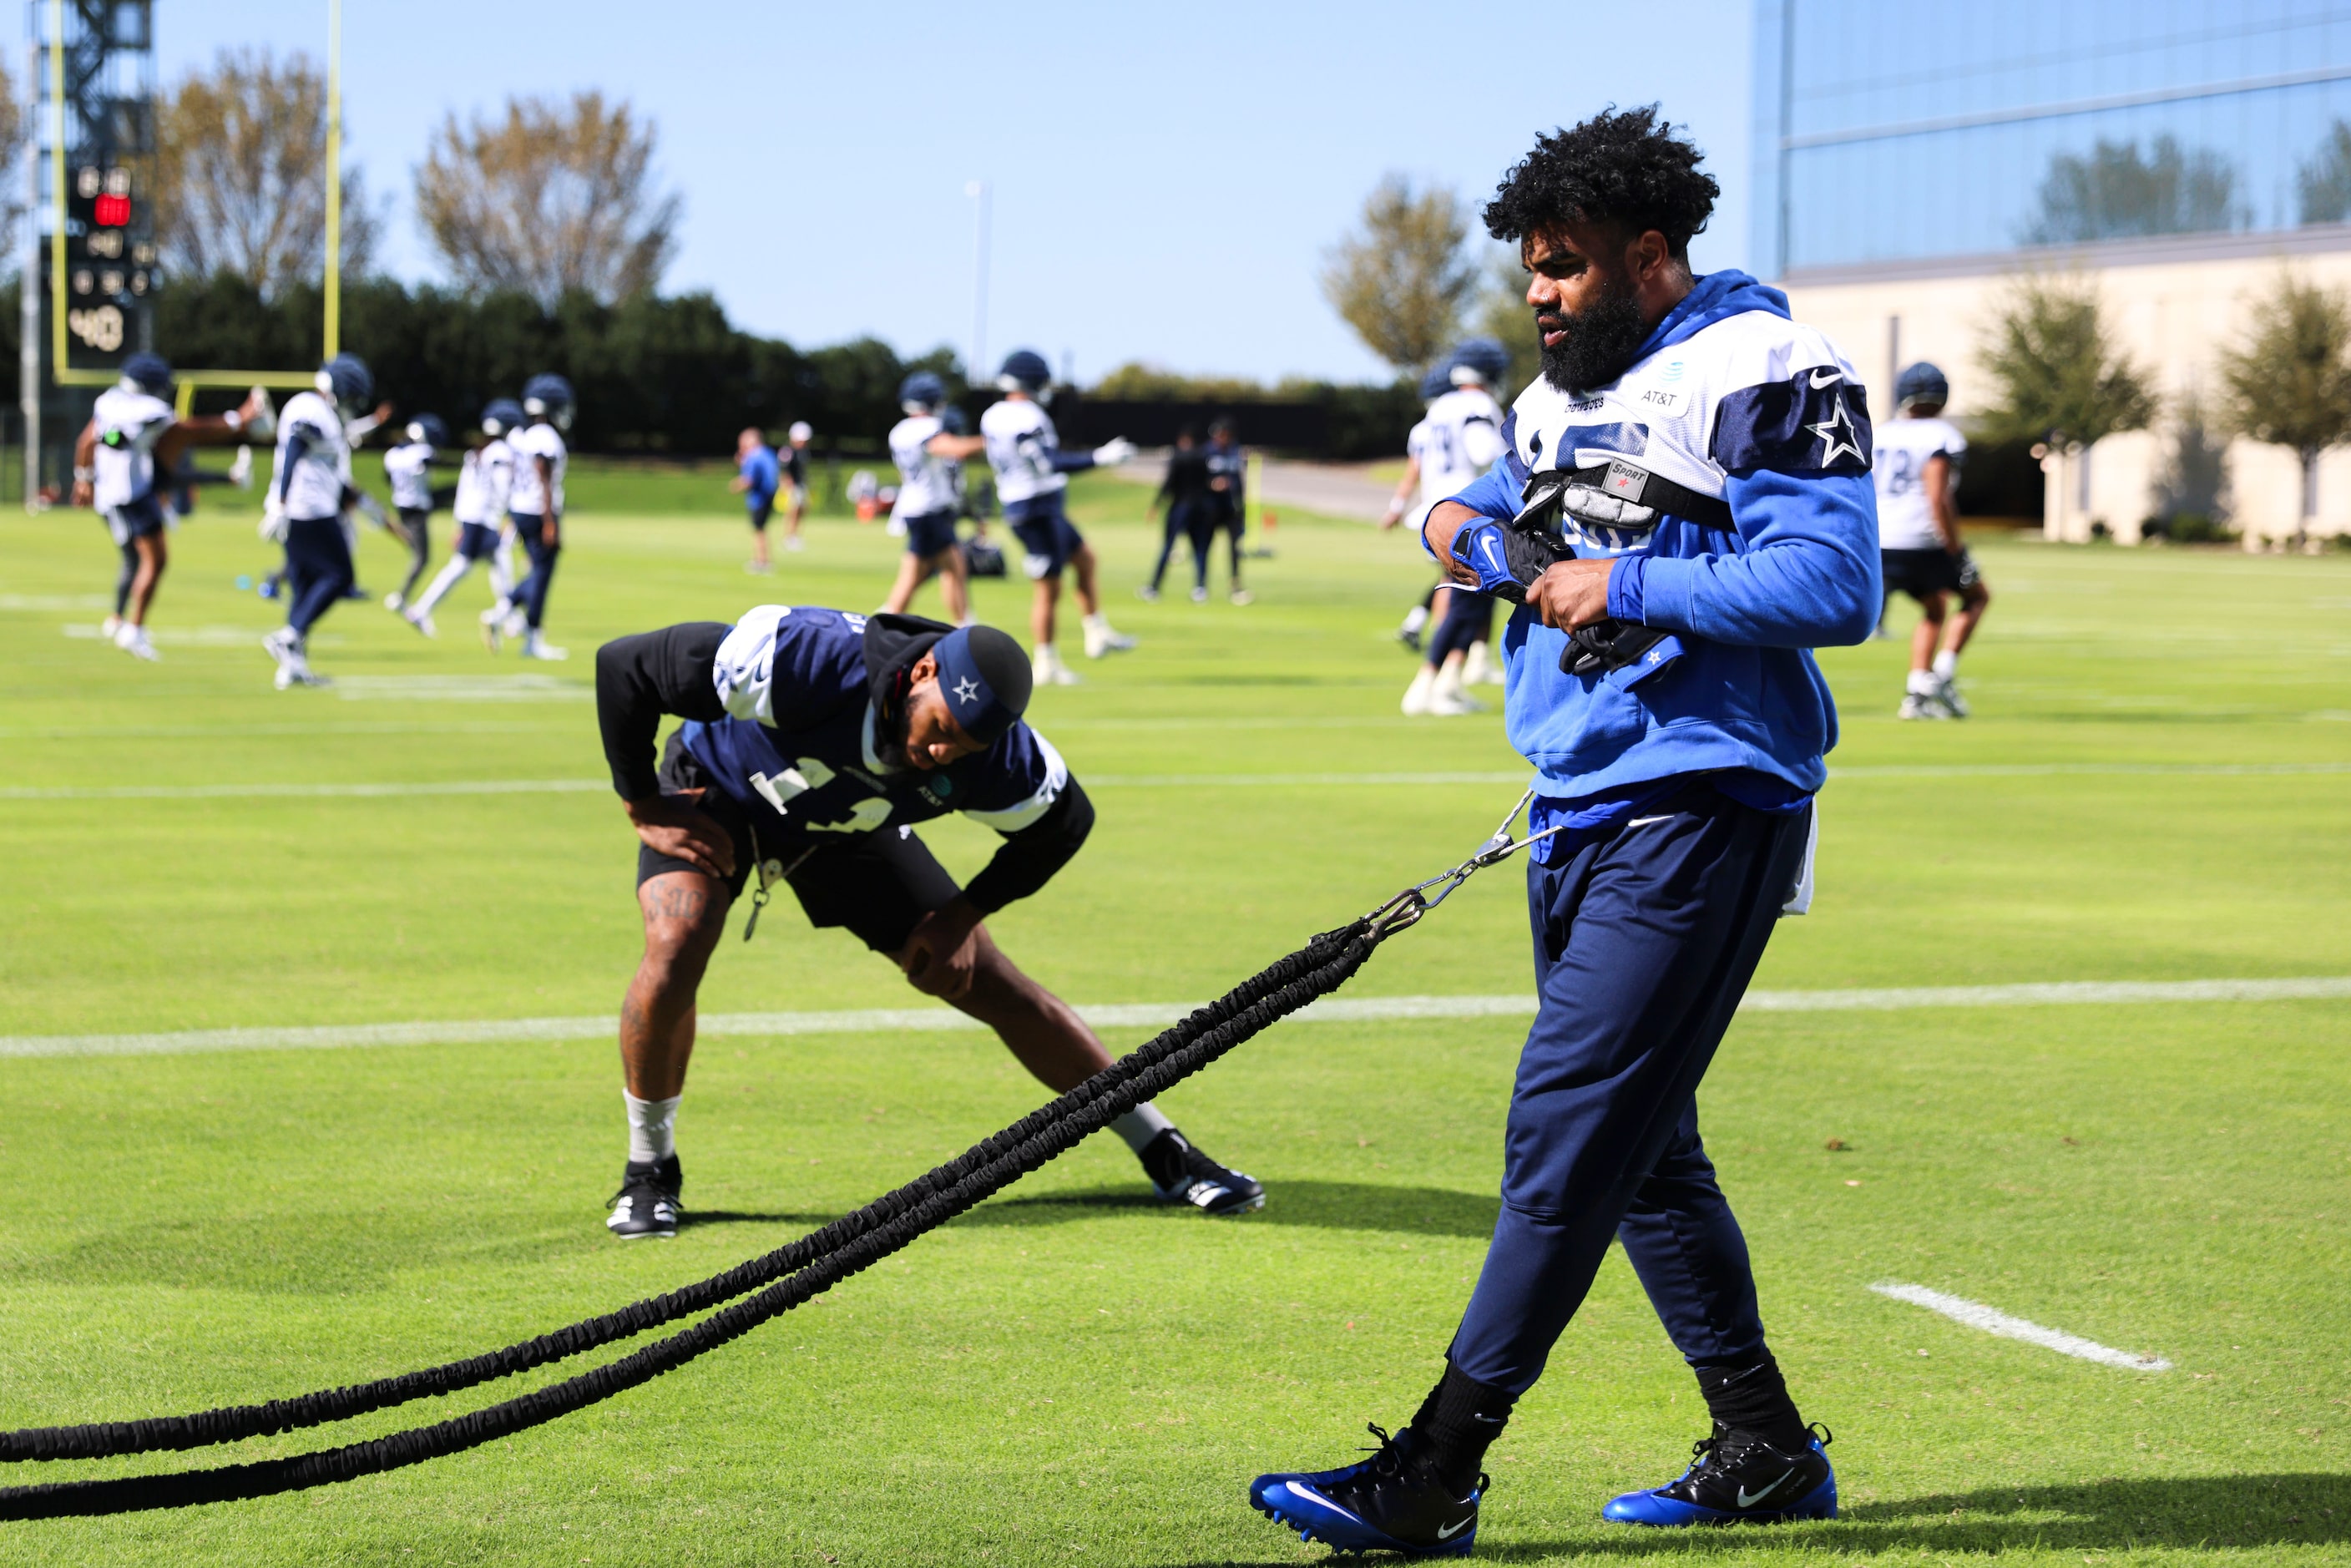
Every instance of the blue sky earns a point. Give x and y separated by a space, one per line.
1161 192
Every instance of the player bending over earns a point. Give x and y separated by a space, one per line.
814 741
1461 439
1705 461
1922 551
1032 473
133 436
756 476
534 503
408 469
307 501
484 480
930 496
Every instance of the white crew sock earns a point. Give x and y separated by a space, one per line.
1140 1125
1947 665
1923 684
1098 621
652 1128
1414 619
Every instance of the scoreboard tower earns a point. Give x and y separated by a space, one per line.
90 238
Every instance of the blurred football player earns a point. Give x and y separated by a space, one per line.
485 479
1921 550
1229 500
756 476
930 496
792 463
308 504
535 502
1032 473
409 469
134 440
1461 439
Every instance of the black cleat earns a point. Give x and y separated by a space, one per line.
1392 1502
647 1203
1736 1477
1182 1174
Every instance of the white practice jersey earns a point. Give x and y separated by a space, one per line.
929 483
1906 512
1750 390
527 497
406 466
313 488
1464 439
129 423
1021 441
483 483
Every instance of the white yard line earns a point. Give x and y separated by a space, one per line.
1992 1320
1138 1015
1136 780
1142 781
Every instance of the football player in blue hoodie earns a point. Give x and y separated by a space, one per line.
1684 508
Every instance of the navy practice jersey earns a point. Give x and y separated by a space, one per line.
797 749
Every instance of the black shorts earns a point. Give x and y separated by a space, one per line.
762 508
930 534
1920 572
139 520
879 885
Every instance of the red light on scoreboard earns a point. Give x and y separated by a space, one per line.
112 212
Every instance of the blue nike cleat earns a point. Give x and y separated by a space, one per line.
1736 1478
1392 1502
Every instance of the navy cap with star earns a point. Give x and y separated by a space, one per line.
985 679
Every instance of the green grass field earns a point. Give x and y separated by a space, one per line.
1067 1374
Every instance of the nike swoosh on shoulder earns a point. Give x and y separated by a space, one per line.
1825 378
1747 1501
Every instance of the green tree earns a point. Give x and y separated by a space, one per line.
2287 381
2117 192
1401 279
2058 376
2325 179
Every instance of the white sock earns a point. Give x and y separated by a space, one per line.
1140 1125
652 1128
1947 665
1414 619
1922 683
1098 621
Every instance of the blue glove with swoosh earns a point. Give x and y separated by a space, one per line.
1485 549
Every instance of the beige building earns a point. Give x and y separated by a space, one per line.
2173 305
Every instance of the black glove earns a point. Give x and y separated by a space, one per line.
1606 645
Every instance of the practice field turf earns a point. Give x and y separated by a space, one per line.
2153 789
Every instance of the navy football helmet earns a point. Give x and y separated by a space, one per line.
1025 370
548 396
922 392
1480 360
428 429
347 379
150 373
503 415
1921 382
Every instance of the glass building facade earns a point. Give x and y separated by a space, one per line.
1891 133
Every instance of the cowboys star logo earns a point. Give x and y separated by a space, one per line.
1837 435
966 690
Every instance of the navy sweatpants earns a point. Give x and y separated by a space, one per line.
1644 940
319 570
531 592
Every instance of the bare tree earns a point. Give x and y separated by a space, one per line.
241 174
2325 178
2060 377
2288 383
1401 279
552 198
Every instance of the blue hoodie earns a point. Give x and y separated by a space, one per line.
1739 694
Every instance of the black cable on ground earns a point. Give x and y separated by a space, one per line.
886 1226
207 1427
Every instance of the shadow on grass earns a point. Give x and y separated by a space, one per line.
699 1216
2212 1512
1325 1204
